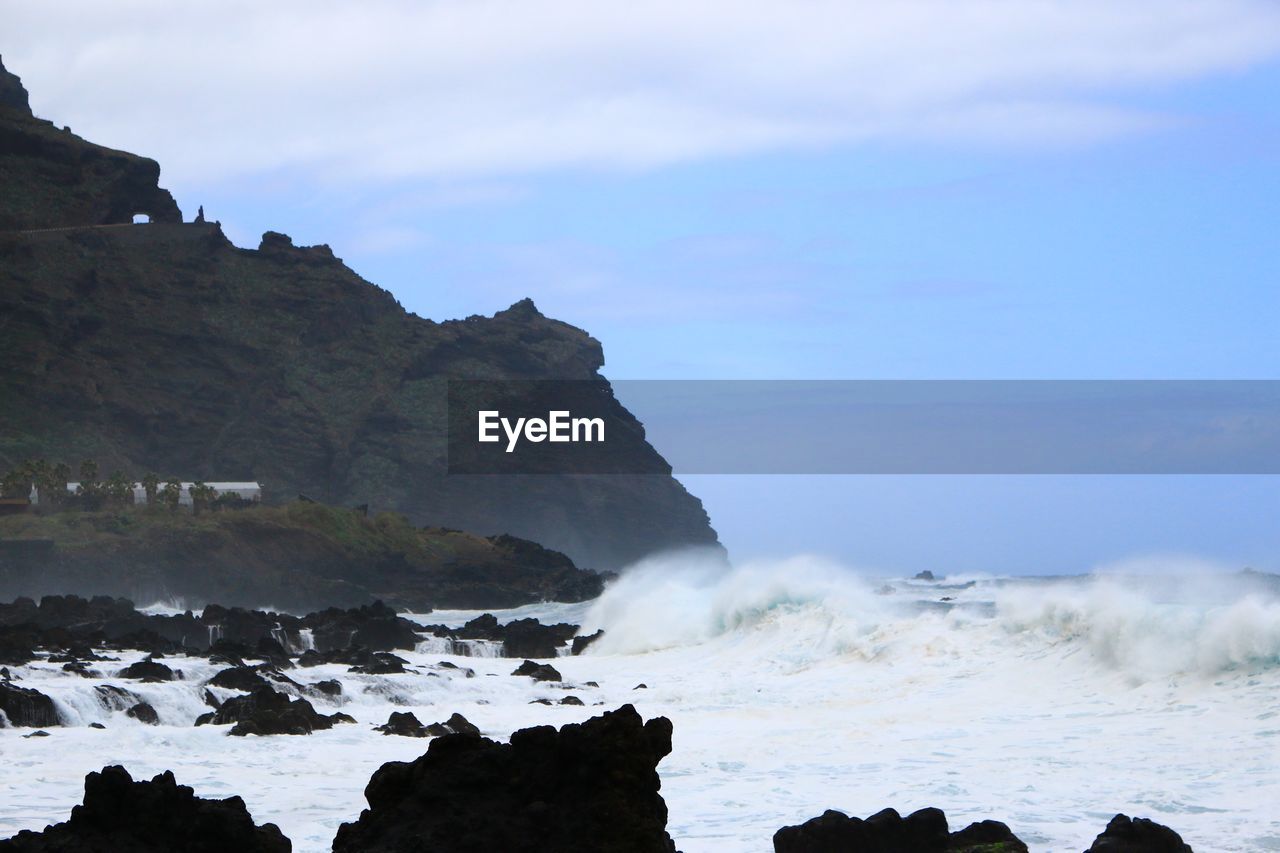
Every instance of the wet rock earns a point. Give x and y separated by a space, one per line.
266 712
144 713
923 831
571 700
115 698
591 786
521 638
243 678
538 671
38 733
159 816
528 638
331 687
150 670
580 644
1138 835
81 669
375 626
96 726
455 725
381 663
24 707
926 575
404 724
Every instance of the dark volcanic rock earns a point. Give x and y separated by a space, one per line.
116 698
527 638
455 725
381 663
1138 835
407 724
23 706
923 831
376 627
144 713
404 724
244 678
521 638
150 670
592 786
538 671
266 712
580 644
159 816
305 377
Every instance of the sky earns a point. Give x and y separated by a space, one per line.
928 189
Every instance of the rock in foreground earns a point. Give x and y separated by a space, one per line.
591 786
1138 835
159 816
924 831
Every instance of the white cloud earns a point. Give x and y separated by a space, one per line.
481 88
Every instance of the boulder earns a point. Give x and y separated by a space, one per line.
404 724
144 713
538 671
266 712
923 831
22 706
149 670
455 725
407 724
239 678
1138 835
381 663
375 626
590 786
528 638
159 816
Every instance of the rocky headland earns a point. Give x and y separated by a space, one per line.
164 347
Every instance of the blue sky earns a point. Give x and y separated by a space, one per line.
967 190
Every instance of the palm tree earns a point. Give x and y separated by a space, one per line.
88 477
201 496
150 484
58 478
119 489
171 494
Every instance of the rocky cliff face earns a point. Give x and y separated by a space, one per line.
164 347
53 178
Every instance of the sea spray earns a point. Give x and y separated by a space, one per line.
804 610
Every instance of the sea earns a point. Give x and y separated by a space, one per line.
794 686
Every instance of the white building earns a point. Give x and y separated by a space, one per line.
247 491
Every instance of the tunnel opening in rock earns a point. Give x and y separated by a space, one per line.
141 218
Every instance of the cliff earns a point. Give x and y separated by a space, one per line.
164 347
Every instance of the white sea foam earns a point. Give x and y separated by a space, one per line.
794 686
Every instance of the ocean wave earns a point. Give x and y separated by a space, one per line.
805 609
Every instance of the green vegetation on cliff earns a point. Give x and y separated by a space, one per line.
298 556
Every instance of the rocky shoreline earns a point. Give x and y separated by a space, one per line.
590 786
585 786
